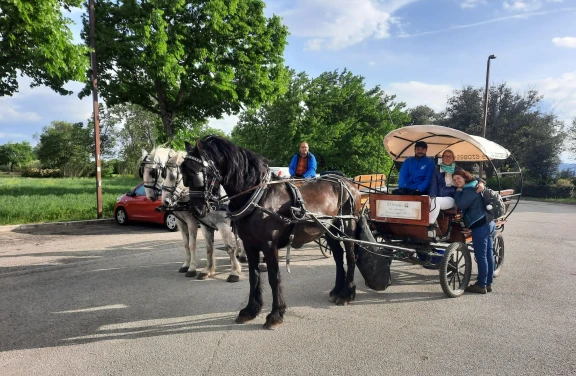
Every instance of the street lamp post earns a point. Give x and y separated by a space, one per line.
486 94
486 104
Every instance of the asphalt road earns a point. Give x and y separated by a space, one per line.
105 300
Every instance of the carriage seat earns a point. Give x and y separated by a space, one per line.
371 183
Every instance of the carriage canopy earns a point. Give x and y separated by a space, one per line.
467 148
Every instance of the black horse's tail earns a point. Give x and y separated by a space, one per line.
374 268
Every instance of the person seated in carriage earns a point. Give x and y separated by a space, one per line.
303 164
416 172
442 189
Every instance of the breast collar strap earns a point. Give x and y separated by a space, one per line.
251 204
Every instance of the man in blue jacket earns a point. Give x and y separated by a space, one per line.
303 164
416 172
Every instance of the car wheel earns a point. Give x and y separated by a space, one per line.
170 222
121 216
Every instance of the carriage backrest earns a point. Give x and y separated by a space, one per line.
370 182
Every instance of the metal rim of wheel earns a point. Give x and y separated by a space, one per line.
121 217
170 222
324 248
498 253
455 269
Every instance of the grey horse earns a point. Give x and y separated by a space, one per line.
157 174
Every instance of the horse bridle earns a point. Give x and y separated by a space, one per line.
157 172
173 190
208 177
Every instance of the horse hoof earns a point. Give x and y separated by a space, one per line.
233 278
342 301
273 321
243 319
203 276
332 298
183 269
190 274
271 326
263 268
243 259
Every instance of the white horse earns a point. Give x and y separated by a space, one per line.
155 175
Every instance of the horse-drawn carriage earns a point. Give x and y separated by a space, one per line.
374 227
400 223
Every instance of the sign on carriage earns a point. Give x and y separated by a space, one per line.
399 209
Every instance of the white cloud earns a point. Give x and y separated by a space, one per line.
561 91
526 5
11 136
416 93
14 113
568 42
471 3
225 124
337 24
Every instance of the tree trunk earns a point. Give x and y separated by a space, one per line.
12 166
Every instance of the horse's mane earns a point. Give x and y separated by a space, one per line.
241 167
162 155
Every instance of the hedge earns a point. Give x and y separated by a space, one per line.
42 173
547 191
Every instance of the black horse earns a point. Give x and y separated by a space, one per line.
263 209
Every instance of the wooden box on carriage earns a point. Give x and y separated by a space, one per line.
402 216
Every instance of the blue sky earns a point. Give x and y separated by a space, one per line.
420 50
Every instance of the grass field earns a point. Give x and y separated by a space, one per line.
33 200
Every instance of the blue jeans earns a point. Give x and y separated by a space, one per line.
484 252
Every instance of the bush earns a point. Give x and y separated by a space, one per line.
42 173
4 168
564 183
548 191
506 182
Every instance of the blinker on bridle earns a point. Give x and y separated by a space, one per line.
207 169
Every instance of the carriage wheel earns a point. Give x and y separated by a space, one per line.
455 269
498 253
324 248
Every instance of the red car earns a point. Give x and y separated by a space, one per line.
135 206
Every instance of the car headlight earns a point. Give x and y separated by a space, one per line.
118 199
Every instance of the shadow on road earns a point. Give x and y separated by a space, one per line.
93 229
99 302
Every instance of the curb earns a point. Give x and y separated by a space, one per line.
31 226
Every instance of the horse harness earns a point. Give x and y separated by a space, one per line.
160 171
298 211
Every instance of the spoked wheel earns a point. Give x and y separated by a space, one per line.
323 244
455 269
498 253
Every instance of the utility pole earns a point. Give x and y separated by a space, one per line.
95 109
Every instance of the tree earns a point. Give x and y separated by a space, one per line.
515 122
66 146
424 115
14 154
108 132
136 129
571 139
192 59
35 39
343 122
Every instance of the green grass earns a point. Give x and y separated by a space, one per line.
34 200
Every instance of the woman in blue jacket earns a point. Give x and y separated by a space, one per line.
442 189
482 226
